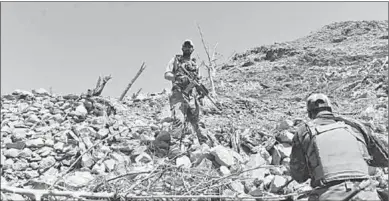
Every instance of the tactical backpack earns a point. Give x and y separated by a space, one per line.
335 152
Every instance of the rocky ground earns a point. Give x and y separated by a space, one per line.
73 143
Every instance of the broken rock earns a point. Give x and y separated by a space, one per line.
8 163
205 164
31 174
79 179
183 162
47 162
224 170
143 158
40 92
35 143
110 164
277 183
98 168
87 161
285 137
15 197
237 186
11 153
285 124
25 153
223 156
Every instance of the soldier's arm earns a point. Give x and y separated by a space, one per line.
169 70
298 167
378 150
377 145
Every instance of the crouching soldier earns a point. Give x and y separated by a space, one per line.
335 152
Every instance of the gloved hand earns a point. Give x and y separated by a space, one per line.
184 80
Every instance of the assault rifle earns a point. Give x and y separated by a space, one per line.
204 91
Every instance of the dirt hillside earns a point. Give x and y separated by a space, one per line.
99 144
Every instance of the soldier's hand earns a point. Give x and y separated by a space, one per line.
185 79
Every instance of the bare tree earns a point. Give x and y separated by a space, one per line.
142 68
211 62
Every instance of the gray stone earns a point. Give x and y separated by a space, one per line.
20 165
38 142
87 161
268 180
285 149
11 153
49 142
23 93
34 165
19 134
183 162
110 164
59 146
256 160
225 171
81 111
199 153
285 137
277 183
205 164
15 197
285 124
17 145
237 186
8 163
143 158
44 151
102 133
98 168
2 159
25 153
35 157
223 156
7 140
40 92
47 162
78 179
31 174
33 119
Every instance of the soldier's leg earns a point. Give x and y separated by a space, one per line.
194 118
342 190
178 109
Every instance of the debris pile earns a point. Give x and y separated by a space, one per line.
102 145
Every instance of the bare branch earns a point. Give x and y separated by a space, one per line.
142 68
211 68
99 86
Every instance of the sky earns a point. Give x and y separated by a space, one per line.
65 46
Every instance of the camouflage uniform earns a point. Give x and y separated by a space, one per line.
345 179
184 102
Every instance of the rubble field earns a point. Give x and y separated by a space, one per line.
100 148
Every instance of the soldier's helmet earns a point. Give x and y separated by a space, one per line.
318 101
187 42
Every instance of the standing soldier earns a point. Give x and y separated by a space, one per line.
184 101
335 152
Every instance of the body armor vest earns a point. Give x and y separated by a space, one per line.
335 152
189 65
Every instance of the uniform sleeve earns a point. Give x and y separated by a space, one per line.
378 150
377 145
298 167
170 65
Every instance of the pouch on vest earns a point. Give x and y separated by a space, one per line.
335 153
